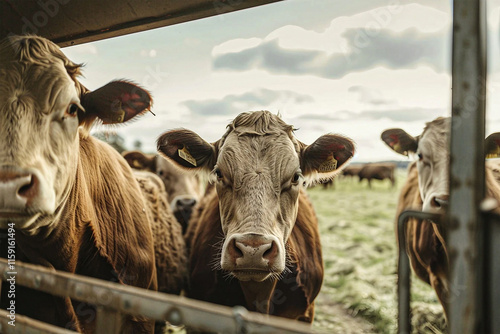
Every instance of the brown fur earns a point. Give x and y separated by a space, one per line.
292 297
170 249
104 232
425 244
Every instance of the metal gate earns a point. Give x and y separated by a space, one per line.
113 300
473 233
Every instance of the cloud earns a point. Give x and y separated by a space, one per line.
394 50
370 96
395 115
256 100
394 36
148 53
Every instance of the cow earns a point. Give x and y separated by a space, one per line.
351 170
426 189
183 190
377 171
72 200
257 225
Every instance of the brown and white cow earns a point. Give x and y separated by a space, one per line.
426 189
72 199
258 225
184 190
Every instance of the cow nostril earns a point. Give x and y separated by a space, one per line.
234 250
28 189
440 202
271 252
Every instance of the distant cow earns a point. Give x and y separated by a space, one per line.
426 188
352 170
72 199
258 225
184 190
377 171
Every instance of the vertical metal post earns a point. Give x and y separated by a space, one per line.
465 228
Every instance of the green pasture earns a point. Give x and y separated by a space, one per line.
360 256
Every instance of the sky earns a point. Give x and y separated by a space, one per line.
354 68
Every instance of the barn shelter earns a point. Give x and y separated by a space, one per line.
67 22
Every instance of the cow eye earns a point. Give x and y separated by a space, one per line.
218 173
296 178
160 172
72 109
420 157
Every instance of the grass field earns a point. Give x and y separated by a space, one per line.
360 257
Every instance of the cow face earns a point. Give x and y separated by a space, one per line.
42 106
431 148
183 189
259 168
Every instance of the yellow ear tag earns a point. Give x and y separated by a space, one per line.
330 164
184 154
397 147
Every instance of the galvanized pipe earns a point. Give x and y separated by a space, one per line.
27 325
465 235
404 283
154 305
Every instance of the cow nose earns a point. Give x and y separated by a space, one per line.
184 203
17 190
253 251
182 206
440 202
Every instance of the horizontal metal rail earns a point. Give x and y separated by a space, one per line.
404 285
27 325
154 305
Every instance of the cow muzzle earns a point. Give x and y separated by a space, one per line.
252 256
182 207
436 203
23 194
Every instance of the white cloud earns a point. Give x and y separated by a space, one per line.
236 45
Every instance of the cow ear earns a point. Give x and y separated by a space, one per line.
326 157
492 146
399 141
187 149
139 160
116 102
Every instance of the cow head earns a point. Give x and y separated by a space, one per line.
432 150
259 168
42 108
183 189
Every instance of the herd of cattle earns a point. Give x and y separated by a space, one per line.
247 237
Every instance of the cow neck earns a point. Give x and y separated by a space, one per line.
258 294
53 245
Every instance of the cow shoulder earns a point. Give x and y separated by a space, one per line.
110 200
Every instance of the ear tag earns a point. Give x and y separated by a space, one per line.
119 112
396 147
328 165
184 154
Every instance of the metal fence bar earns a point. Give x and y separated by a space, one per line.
404 282
493 272
465 229
27 325
151 304
108 321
